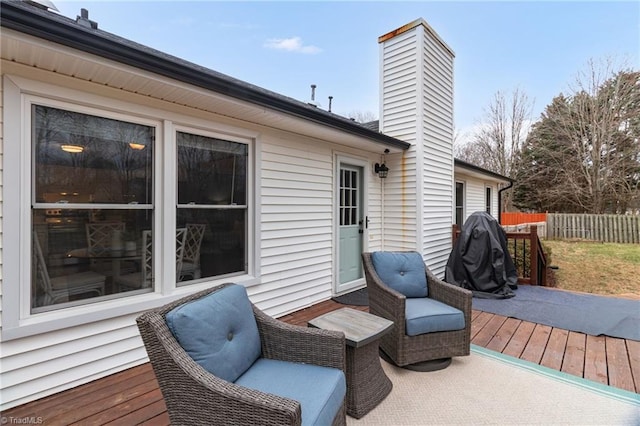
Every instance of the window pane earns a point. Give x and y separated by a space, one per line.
79 255
459 194
80 158
211 171
488 201
220 249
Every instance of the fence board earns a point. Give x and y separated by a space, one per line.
517 218
606 228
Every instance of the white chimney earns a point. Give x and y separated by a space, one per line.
416 105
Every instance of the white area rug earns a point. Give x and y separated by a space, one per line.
488 388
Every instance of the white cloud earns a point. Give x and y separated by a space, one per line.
292 44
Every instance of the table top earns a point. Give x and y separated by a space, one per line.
359 328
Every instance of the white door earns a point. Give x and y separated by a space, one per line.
351 226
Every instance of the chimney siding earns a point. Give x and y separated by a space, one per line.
416 86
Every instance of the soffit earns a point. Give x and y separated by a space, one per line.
35 52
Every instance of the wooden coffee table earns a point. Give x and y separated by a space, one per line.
367 384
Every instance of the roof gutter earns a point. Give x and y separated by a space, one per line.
500 200
55 28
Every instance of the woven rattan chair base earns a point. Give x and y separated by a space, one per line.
367 383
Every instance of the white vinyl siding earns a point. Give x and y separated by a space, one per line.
399 97
475 190
296 221
437 113
417 107
293 253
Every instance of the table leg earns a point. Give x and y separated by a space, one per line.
367 383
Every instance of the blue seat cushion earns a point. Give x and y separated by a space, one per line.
319 390
402 271
218 331
424 315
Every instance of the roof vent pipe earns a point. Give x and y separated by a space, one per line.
330 99
84 20
313 96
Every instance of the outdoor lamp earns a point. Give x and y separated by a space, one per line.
382 170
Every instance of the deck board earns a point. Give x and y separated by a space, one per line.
132 397
595 360
620 369
554 352
519 340
573 361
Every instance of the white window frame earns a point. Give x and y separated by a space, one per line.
18 93
488 200
250 203
455 201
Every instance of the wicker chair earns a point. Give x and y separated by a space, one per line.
405 350
195 396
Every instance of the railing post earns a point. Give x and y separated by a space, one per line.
533 255
454 234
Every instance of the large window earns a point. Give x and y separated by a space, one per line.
212 205
112 207
92 207
91 202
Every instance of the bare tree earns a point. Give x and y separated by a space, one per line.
496 145
362 116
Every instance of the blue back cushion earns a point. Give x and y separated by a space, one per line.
218 331
402 271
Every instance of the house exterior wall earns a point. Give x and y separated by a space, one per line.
417 106
475 190
295 251
294 236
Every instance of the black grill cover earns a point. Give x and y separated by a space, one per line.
480 260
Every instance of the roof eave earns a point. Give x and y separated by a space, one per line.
478 169
41 25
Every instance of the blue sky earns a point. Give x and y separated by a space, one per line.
538 47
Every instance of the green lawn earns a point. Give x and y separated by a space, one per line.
599 268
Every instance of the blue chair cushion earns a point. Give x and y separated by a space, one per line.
319 390
424 315
218 331
402 271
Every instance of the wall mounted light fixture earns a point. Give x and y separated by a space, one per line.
381 169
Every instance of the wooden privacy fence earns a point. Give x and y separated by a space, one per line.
516 218
608 228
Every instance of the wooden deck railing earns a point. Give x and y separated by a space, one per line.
527 254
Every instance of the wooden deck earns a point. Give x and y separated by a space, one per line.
132 396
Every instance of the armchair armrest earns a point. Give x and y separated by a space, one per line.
450 294
195 396
293 343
